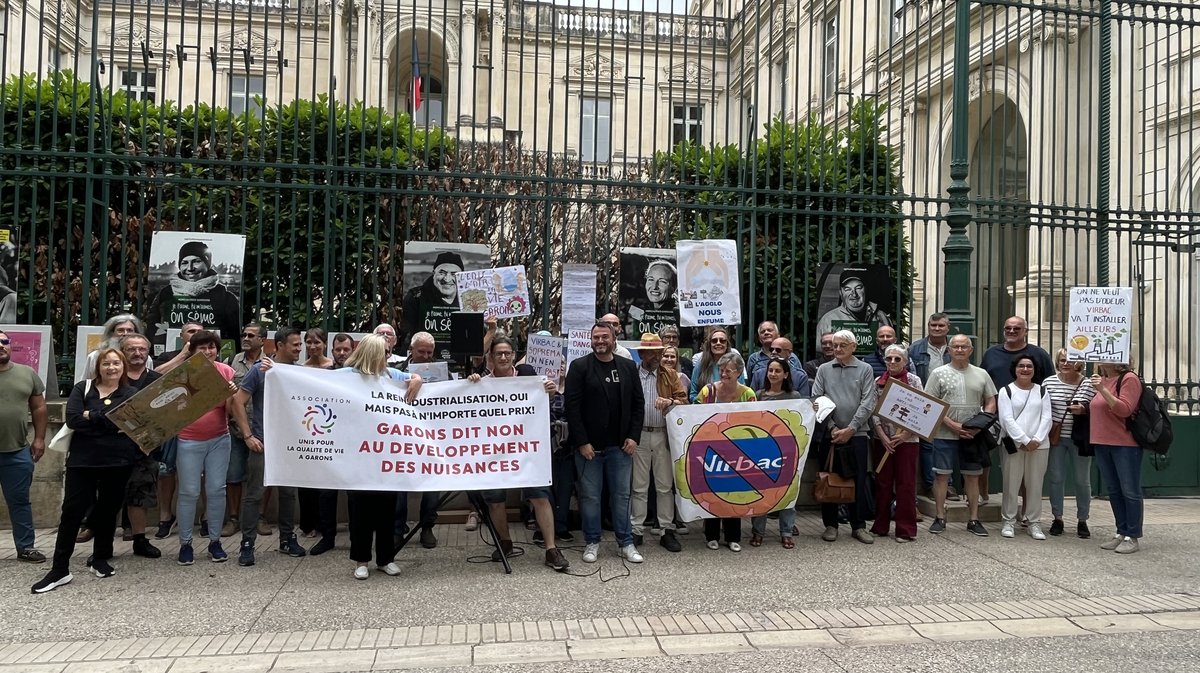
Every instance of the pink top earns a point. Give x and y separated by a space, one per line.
214 422
1108 425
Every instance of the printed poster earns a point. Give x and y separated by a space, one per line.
344 430
1099 324
857 298
172 402
738 460
431 287
195 277
87 339
498 293
578 297
709 283
31 346
648 291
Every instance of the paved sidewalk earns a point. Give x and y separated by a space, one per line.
612 638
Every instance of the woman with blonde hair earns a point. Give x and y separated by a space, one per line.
705 367
1117 453
727 388
372 513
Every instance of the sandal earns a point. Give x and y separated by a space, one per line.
789 543
756 540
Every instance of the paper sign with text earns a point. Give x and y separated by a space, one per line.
710 291
545 355
579 344
1099 323
910 408
346 430
502 292
171 403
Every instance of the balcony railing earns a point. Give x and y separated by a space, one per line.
541 19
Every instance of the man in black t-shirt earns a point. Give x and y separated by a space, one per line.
603 406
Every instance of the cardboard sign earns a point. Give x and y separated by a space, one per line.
502 292
911 409
171 403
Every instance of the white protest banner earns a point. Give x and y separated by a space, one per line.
1099 322
578 297
579 344
545 355
738 460
709 284
343 430
496 293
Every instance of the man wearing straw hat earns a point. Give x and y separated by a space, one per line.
661 390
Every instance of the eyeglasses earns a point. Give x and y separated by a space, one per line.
960 347
250 335
1013 329
502 354
894 358
1024 366
718 341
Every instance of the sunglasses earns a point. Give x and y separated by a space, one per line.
775 349
718 341
1013 329
5 342
250 335
894 358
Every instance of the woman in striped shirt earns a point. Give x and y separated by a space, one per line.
1066 387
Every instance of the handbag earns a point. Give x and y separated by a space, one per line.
1056 429
62 439
832 488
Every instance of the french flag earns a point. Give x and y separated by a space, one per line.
415 94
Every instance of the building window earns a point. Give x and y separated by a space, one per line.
781 79
245 93
687 123
140 84
897 19
57 59
433 103
829 57
595 142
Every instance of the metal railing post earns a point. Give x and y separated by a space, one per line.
956 299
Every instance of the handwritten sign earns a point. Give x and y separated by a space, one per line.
709 283
502 292
579 344
545 355
1099 323
171 403
911 409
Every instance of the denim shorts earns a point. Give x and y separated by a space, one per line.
947 453
168 451
238 452
498 496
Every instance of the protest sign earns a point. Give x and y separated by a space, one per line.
738 460
579 344
647 292
31 345
502 292
709 284
171 403
910 408
195 277
1099 323
430 289
578 297
345 430
87 339
545 355
857 298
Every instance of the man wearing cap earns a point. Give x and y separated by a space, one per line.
427 308
196 292
854 306
661 390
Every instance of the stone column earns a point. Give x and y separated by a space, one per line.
362 81
499 62
1053 130
464 92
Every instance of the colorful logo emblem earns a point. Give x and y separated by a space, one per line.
743 463
319 420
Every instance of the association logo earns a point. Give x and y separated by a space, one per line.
743 463
319 419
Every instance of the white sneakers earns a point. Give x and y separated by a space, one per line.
733 546
1008 530
1035 531
390 569
361 573
713 544
1128 546
590 552
631 554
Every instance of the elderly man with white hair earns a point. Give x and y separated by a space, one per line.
850 383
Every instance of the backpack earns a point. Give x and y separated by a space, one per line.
1150 423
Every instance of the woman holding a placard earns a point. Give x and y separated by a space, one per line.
99 462
1025 416
896 475
778 387
726 389
1117 453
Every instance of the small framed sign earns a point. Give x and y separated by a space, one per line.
911 409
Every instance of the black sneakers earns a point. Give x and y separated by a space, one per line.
53 580
556 560
976 527
428 539
101 567
142 547
938 526
669 541
1056 528
507 547
1082 531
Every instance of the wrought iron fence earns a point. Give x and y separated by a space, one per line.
811 131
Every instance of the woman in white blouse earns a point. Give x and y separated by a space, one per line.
1026 416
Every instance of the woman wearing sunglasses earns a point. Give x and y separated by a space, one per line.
717 345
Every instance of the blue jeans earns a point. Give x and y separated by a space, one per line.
16 475
1121 471
614 466
1065 457
195 459
787 519
925 462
